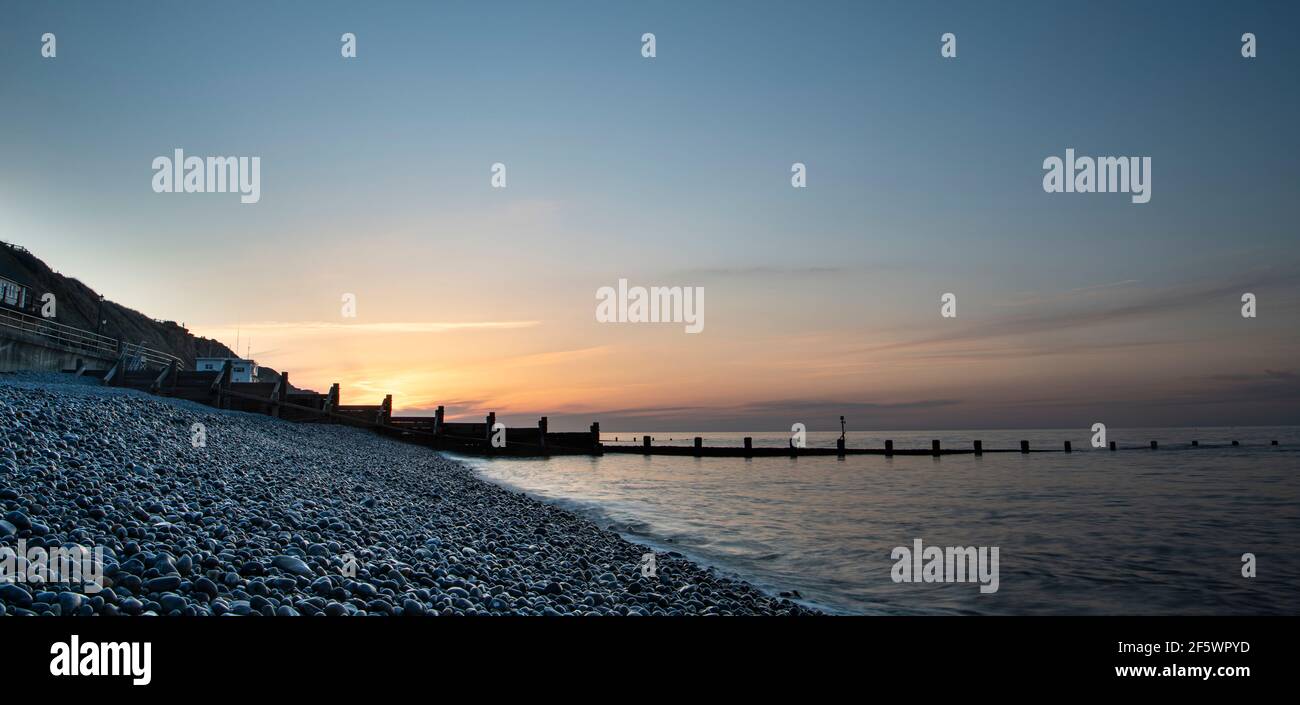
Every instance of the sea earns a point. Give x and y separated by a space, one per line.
1213 529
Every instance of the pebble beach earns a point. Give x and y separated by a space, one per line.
262 517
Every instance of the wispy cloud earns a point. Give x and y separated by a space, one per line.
763 414
765 272
555 357
1165 302
334 327
1038 299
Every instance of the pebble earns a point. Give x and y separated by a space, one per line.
19 520
259 520
292 565
164 584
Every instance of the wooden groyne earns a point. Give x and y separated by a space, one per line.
216 388
278 399
699 450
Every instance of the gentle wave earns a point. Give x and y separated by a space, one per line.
1090 532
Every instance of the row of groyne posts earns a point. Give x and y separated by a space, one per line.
216 388
698 449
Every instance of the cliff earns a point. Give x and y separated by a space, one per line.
78 304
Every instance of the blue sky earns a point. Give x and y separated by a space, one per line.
924 177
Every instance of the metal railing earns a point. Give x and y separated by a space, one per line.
86 341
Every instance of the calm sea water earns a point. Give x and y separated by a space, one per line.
1092 532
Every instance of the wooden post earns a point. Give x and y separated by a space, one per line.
386 409
979 447
156 387
934 447
645 443
227 379
222 385
1155 446
282 393
541 433
839 445
332 399
889 448
1024 446
1067 447
699 444
1235 444
749 446
438 415
1273 443
214 390
1112 445
118 371
272 405
595 434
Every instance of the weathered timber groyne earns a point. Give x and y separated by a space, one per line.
488 437
279 399
976 448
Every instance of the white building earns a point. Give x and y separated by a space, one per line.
241 370
13 294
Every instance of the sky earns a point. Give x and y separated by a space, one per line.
924 177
